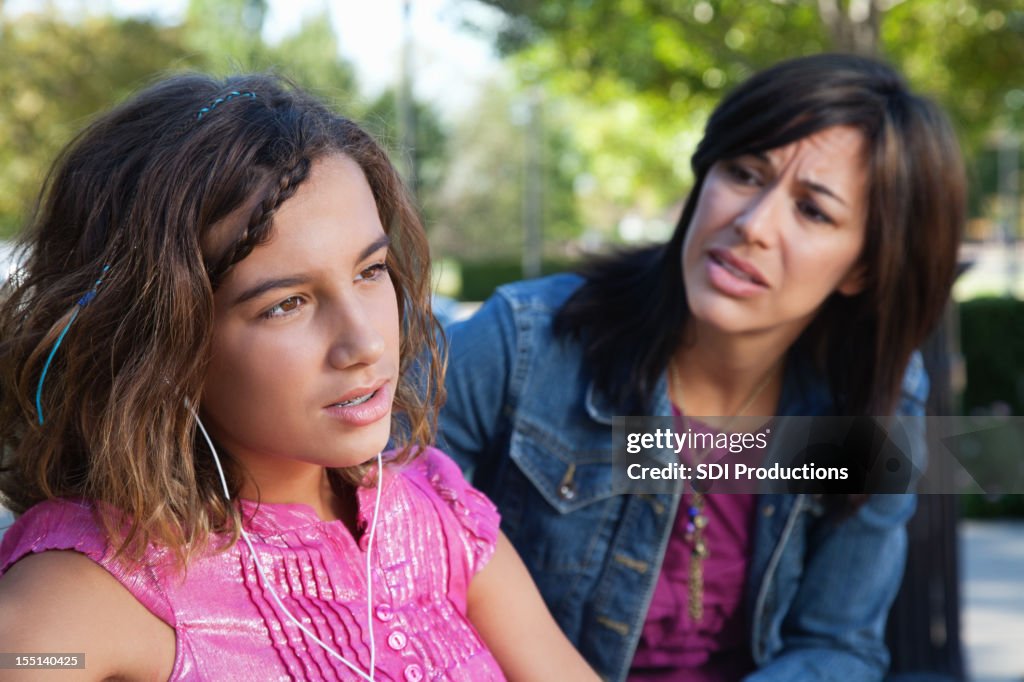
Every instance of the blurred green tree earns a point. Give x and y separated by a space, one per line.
56 73
227 32
54 76
481 200
430 152
645 73
966 52
228 35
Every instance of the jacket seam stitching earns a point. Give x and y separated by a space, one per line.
773 562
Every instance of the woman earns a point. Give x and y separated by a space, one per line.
813 255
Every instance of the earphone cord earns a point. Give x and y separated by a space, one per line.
277 600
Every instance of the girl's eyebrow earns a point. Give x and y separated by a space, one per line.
268 285
377 245
283 282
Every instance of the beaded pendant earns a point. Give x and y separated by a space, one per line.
696 522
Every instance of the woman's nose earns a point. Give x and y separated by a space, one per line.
759 220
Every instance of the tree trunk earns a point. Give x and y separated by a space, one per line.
853 24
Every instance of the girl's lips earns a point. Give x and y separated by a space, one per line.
374 409
725 281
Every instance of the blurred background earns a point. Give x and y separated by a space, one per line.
536 132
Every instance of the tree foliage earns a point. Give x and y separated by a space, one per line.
644 74
680 49
481 200
55 75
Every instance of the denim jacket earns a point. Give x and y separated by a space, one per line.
524 421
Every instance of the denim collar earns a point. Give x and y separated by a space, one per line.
804 393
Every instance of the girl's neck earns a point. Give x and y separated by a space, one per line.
718 374
304 484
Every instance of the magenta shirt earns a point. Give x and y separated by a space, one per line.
433 534
674 648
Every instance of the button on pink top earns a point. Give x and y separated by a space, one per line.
434 532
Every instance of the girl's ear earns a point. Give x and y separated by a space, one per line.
854 282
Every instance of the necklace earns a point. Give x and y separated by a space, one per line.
697 520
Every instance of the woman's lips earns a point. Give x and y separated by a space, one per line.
729 277
364 413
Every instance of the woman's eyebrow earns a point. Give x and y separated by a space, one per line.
821 189
809 184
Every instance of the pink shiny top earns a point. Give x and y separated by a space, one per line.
674 648
434 532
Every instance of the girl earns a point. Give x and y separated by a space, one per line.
813 255
228 275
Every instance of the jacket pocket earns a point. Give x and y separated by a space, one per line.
569 476
557 502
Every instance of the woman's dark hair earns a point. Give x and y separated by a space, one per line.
139 191
631 310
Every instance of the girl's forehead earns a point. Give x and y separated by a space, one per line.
219 237
327 225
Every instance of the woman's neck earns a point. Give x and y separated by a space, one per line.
718 374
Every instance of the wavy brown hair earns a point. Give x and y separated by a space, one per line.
138 190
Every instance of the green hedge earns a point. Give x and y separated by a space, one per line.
481 278
992 342
991 506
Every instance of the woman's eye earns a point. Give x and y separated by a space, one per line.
741 173
285 307
810 210
374 272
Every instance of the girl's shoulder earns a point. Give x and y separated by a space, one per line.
53 525
434 475
58 592
62 525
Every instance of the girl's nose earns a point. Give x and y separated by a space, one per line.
356 340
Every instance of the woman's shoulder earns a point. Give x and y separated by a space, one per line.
545 293
516 322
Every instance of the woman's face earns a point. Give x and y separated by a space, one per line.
774 234
306 333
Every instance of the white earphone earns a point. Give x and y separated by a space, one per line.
266 582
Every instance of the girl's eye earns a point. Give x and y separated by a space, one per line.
374 272
809 209
284 308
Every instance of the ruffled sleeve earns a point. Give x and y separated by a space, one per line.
71 525
476 515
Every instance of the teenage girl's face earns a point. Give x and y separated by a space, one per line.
306 333
774 234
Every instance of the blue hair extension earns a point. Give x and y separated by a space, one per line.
81 303
220 100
